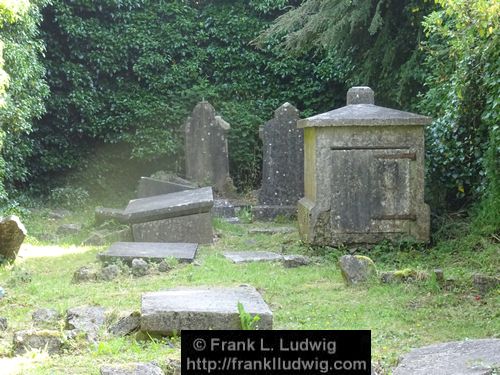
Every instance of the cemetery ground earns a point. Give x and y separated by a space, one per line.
401 315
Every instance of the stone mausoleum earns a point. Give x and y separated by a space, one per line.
364 174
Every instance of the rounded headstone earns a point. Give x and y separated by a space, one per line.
360 95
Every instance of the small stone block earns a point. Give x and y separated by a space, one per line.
150 251
179 309
252 256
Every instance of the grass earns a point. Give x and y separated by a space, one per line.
401 316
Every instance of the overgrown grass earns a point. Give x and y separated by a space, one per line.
401 316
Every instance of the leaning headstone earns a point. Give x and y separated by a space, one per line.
178 309
356 268
49 340
150 251
132 369
12 233
176 217
471 357
206 150
282 165
252 256
149 187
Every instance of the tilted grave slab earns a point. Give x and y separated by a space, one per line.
179 309
150 187
150 251
177 217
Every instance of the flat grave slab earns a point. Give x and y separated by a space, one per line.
272 230
178 309
150 251
471 357
159 207
252 256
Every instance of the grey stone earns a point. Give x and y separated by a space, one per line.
283 164
266 213
484 283
139 267
150 251
360 95
110 272
364 176
149 187
471 357
103 214
68 229
165 266
58 214
85 274
356 268
105 237
44 317
272 230
252 256
126 325
3 324
12 234
223 208
206 151
86 319
159 207
177 309
132 369
292 261
47 340
191 228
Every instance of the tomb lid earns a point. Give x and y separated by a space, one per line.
158 207
361 111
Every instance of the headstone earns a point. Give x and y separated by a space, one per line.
132 369
282 165
364 174
206 150
150 251
149 187
177 217
48 340
252 256
178 309
471 357
356 268
12 233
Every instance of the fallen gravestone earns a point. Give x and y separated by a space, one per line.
178 309
132 369
150 251
149 187
282 165
12 233
471 357
48 340
177 217
252 256
356 268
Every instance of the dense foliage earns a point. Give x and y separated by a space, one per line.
131 72
22 87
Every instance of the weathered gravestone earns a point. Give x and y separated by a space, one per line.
178 309
471 357
206 150
150 251
12 233
177 217
149 187
283 165
364 174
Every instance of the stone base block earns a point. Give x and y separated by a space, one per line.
150 251
265 213
191 228
180 309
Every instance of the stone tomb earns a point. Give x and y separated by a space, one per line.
177 217
206 150
364 174
150 251
283 165
149 187
174 310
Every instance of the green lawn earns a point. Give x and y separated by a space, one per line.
401 316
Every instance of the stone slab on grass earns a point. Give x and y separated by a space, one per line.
179 309
252 256
272 230
192 228
150 251
471 357
159 207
